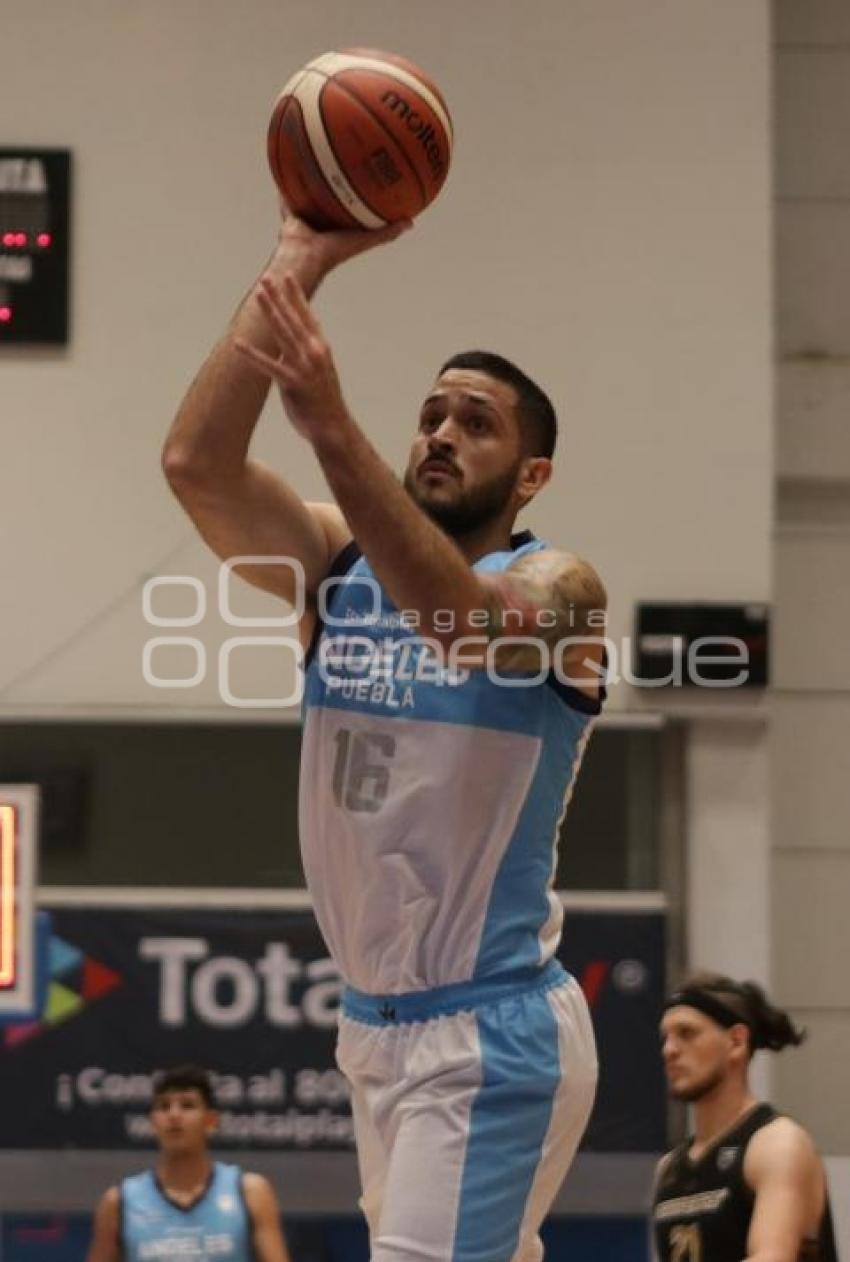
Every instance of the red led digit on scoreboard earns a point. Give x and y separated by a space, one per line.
8 895
22 965
35 222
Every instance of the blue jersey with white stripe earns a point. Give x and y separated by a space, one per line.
215 1228
430 798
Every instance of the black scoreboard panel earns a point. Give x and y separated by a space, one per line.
35 196
734 643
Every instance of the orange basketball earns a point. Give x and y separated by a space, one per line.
359 139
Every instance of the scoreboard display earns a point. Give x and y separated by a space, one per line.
18 955
35 196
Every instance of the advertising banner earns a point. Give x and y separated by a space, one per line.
253 997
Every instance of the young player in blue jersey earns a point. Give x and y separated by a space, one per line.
453 674
188 1206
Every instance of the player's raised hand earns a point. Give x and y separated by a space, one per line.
317 253
303 368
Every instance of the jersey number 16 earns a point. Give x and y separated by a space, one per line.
360 783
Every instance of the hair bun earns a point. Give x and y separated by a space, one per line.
772 1028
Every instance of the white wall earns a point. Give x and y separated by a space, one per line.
728 895
838 1175
606 224
811 710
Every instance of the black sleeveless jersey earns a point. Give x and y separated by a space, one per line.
702 1209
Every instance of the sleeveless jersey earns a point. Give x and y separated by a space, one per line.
215 1228
430 798
702 1209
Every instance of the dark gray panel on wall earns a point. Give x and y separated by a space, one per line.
214 804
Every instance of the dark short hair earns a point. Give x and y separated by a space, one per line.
185 1078
538 423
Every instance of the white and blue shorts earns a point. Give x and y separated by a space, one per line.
469 1102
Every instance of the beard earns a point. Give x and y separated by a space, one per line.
471 509
695 1092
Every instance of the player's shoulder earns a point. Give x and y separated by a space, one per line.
106 1243
108 1209
257 1189
332 522
547 558
782 1144
250 1179
554 567
134 1182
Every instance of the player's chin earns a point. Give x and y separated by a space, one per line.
442 486
686 1092
427 494
175 1143
441 491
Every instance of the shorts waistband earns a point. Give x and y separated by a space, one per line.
421 1005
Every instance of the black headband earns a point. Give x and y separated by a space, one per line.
707 1004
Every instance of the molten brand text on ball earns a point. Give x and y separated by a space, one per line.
421 129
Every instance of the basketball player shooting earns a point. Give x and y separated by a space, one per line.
748 1184
431 794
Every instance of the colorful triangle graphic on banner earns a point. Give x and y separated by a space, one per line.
63 957
61 1003
83 980
20 1033
98 980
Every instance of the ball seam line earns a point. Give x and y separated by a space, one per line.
320 144
354 97
332 63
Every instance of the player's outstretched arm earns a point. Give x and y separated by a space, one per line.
106 1242
267 1237
421 568
785 1172
240 507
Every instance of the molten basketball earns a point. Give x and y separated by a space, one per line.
359 139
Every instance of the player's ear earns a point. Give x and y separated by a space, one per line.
740 1038
212 1121
535 472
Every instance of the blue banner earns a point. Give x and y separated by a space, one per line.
253 996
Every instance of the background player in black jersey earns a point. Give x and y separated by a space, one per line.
748 1185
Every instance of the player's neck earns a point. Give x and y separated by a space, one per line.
186 1173
480 543
719 1111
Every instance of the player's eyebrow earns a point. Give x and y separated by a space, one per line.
482 400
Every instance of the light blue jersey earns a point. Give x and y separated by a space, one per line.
215 1228
430 801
